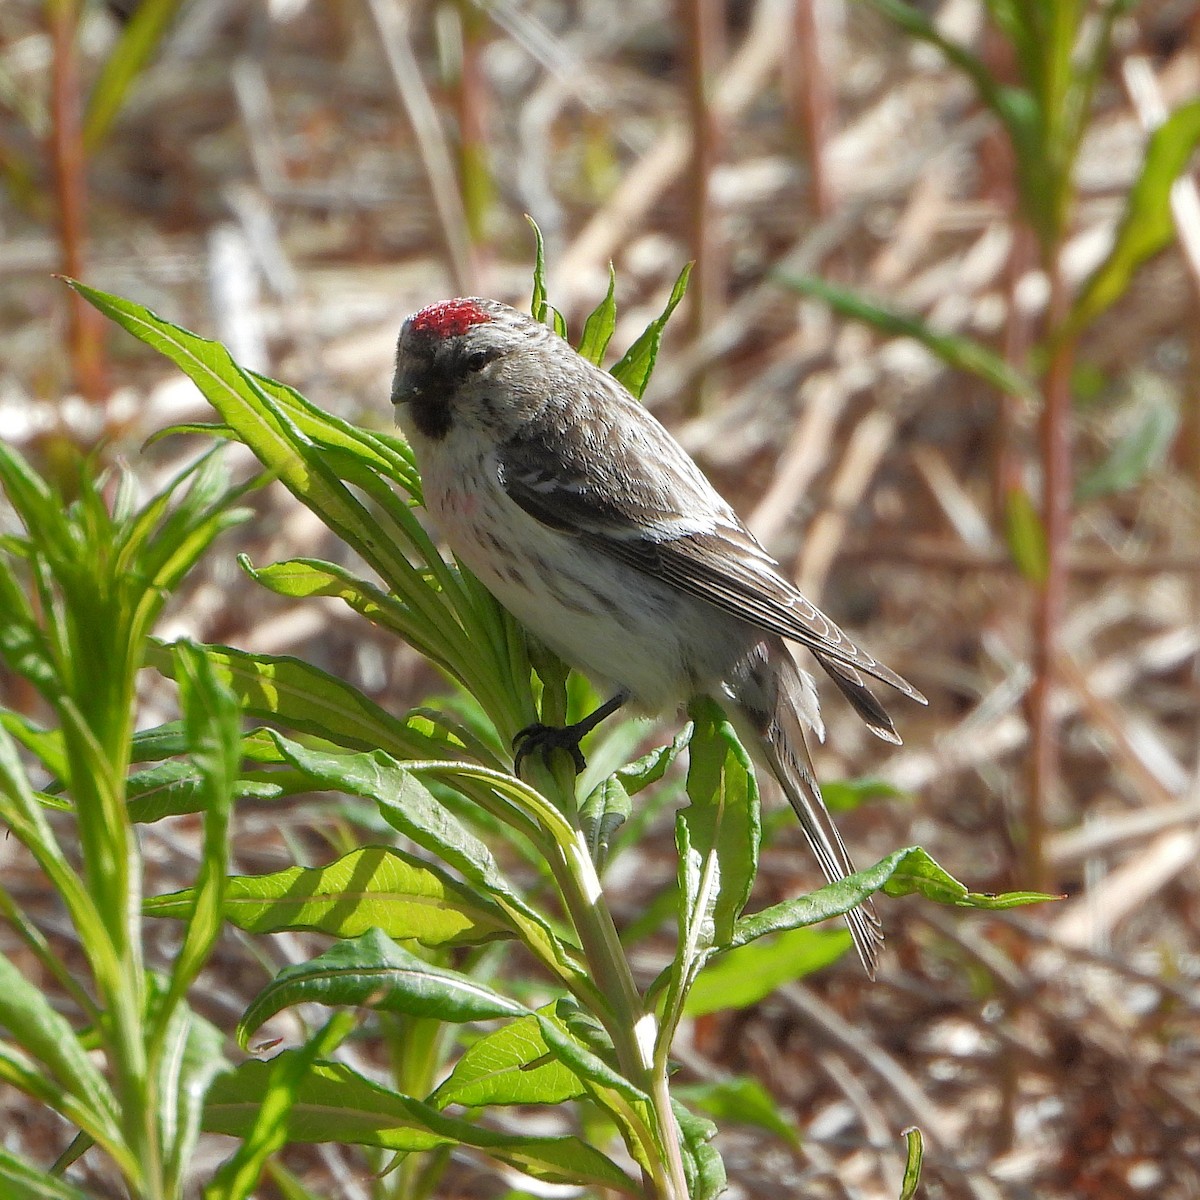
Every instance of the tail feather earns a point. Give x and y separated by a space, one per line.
850 684
775 700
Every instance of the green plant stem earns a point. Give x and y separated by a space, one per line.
629 1024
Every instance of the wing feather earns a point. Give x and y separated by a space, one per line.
673 526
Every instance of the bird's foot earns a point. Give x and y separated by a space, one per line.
542 739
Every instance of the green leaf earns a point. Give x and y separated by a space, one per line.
138 41
212 727
175 787
409 806
190 1057
45 744
334 1104
901 873
742 977
914 1152
48 1037
702 1164
1147 225
845 795
598 328
1026 535
916 873
23 1181
286 689
270 1126
605 810
718 832
511 1065
741 1100
638 362
955 350
1136 455
371 888
374 971
539 305
263 425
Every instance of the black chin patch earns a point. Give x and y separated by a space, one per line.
431 415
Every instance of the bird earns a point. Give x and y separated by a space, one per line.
591 525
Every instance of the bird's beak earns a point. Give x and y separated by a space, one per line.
404 388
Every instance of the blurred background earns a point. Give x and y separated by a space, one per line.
910 356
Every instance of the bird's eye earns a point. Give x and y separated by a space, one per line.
478 359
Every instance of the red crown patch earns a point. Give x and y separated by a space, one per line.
450 318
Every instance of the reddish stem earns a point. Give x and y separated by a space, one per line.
1055 445
703 23
809 93
86 328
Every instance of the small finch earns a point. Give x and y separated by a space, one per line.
588 521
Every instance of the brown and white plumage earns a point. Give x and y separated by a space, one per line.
593 526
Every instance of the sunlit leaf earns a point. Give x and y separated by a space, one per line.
636 365
371 888
511 1065
1147 225
599 326
901 873
335 1104
744 976
914 1152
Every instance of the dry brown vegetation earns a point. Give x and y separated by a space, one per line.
286 177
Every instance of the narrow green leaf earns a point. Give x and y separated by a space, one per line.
23 1181
212 726
917 25
45 744
510 1065
270 1127
48 1037
175 787
744 976
722 829
297 694
537 302
304 578
1136 455
638 361
334 1104
371 888
599 326
1147 225
1026 535
901 873
914 1152
139 39
190 1057
916 873
372 970
955 350
262 424
605 810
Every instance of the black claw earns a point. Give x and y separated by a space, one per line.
542 739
